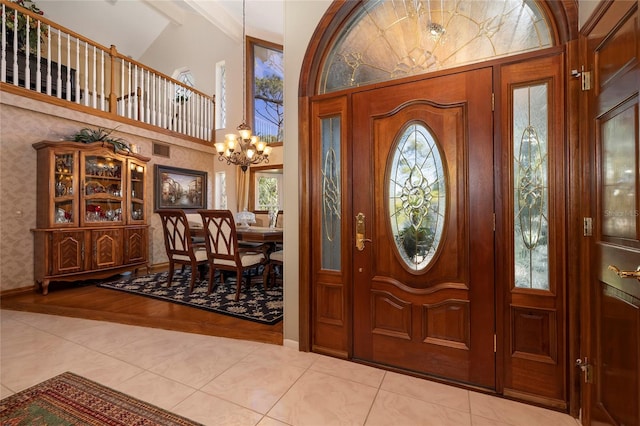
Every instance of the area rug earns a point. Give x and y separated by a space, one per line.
69 399
255 304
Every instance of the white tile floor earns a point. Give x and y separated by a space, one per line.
218 381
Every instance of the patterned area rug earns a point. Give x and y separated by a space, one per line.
69 399
255 304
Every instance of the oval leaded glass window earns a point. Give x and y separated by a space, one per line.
417 196
386 40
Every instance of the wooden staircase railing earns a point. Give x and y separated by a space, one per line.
42 56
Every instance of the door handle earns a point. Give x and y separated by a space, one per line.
360 232
625 274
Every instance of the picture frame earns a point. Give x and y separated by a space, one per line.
176 188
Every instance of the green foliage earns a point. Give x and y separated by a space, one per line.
21 27
416 241
87 135
267 193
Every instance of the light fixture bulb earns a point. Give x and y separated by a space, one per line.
245 133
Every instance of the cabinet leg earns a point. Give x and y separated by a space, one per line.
45 287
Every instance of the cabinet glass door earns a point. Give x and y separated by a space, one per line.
64 184
136 186
102 185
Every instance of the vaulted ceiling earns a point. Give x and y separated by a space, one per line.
133 25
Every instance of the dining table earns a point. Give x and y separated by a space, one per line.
249 234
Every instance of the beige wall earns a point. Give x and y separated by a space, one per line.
24 122
301 19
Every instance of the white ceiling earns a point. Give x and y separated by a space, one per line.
133 25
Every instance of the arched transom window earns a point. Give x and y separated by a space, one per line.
386 40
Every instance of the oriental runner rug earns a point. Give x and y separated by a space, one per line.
255 304
69 399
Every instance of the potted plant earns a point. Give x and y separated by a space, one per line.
88 135
19 26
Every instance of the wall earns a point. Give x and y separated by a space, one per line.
301 19
26 121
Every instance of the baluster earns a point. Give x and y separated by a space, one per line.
121 106
27 65
59 76
166 110
147 97
134 89
86 73
94 79
15 50
3 54
69 67
78 69
128 90
49 82
102 92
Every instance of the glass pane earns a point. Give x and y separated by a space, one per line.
103 189
64 188
137 191
387 40
530 168
620 175
417 196
268 93
331 214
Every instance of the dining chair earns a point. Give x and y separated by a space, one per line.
276 260
179 245
223 251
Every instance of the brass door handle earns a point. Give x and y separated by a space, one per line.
625 274
360 232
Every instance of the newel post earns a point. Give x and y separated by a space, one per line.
113 98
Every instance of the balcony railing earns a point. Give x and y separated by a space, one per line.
41 56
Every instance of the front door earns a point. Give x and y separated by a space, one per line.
423 212
611 356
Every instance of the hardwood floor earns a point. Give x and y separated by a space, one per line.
91 302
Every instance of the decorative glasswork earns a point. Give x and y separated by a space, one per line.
417 196
386 40
530 192
620 175
331 216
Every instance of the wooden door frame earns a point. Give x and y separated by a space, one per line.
588 194
564 19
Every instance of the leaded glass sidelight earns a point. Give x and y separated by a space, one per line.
417 196
386 40
530 192
331 215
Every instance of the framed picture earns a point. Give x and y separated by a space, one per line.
176 188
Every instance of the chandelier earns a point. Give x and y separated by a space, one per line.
243 149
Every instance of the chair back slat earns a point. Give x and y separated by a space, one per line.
220 234
177 236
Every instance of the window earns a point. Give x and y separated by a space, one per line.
221 191
185 77
221 95
382 41
265 78
265 188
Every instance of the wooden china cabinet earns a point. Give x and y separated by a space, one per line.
91 212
